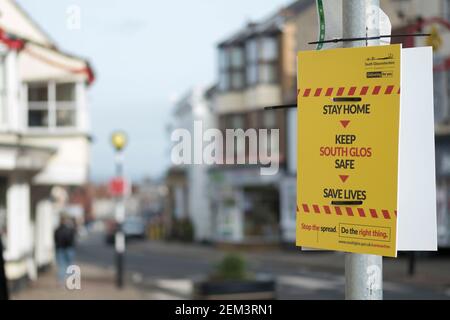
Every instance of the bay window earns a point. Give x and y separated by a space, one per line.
38 109
269 48
231 68
262 60
251 51
65 105
51 105
224 78
250 63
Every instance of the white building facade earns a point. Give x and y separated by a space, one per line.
191 199
44 140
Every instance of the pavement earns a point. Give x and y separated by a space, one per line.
96 284
168 270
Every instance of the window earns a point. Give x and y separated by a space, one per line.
231 68
51 105
223 59
251 50
237 58
252 74
224 81
268 62
262 60
269 49
224 77
237 67
237 80
267 73
38 105
248 64
65 105
65 92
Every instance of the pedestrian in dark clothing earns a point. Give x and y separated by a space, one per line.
3 282
65 246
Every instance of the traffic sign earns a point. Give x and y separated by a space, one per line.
348 147
117 187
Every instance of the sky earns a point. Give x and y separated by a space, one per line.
145 54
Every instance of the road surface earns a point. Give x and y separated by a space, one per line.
170 268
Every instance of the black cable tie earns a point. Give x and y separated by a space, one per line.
283 106
346 203
371 38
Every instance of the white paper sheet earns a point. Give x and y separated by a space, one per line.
416 219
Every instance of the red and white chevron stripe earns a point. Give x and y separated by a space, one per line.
349 91
347 211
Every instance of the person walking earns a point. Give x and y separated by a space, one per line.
65 246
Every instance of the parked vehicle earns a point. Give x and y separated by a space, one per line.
134 227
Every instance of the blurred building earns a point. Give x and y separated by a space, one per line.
44 137
253 73
257 68
234 203
103 204
187 184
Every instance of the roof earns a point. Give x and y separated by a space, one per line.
53 62
270 25
38 44
16 20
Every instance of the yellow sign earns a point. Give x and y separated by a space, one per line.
348 133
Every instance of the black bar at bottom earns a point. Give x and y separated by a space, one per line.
347 203
347 99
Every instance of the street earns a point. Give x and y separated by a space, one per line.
170 268
273 150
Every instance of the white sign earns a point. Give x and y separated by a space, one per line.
416 219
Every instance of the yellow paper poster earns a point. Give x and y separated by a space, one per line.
348 134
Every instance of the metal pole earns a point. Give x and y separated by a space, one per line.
120 216
363 272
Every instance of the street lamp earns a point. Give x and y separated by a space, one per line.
119 142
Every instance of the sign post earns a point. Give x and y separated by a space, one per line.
363 273
349 120
366 150
119 141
